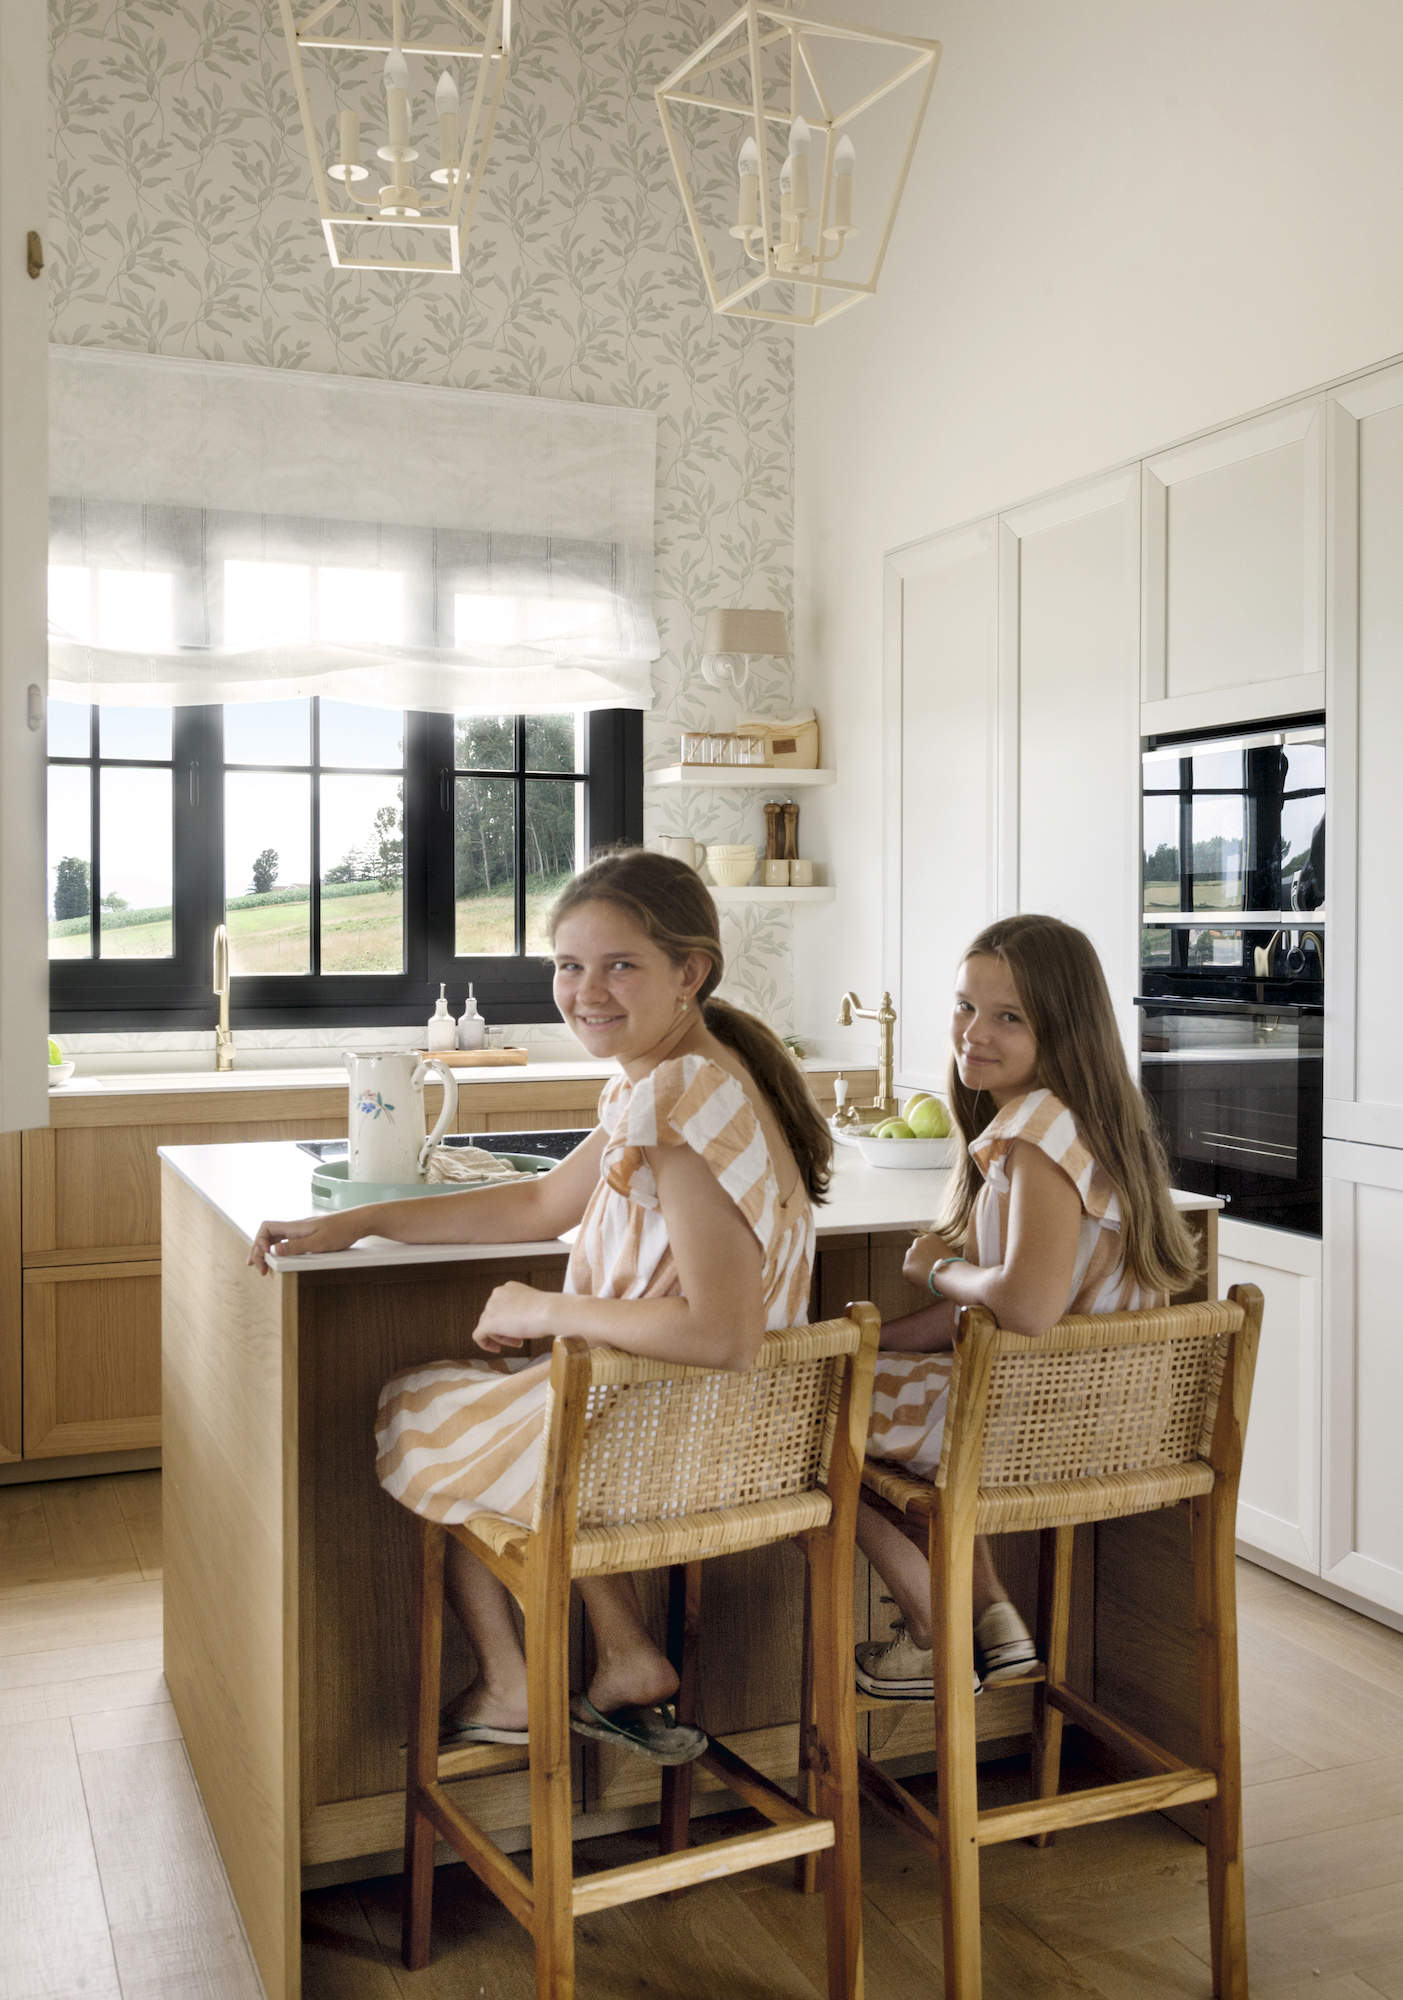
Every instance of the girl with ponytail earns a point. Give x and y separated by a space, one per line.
693 1198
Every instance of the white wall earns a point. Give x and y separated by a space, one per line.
1126 221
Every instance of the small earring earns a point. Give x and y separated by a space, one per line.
682 1004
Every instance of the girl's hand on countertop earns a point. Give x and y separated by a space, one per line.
312 1236
514 1314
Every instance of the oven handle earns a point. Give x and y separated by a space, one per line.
1228 1006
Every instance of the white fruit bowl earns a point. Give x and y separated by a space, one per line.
60 1072
907 1152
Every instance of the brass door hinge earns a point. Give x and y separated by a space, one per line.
34 253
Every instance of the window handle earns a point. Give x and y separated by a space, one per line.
194 781
445 789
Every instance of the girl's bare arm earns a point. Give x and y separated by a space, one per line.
523 1212
1028 1292
717 1319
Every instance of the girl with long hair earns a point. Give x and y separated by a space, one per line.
693 1198
1060 1203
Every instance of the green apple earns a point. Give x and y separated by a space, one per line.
55 1053
929 1119
916 1097
894 1128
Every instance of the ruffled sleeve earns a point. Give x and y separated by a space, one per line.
691 1101
1042 1120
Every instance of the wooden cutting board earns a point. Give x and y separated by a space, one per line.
474 1058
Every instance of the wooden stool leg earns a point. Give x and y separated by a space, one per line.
422 1748
1215 1608
952 1647
547 1621
833 1766
806 1788
684 1583
1054 1623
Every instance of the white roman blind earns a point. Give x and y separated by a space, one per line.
226 534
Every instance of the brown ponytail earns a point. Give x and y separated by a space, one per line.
669 902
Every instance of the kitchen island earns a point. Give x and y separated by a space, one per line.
288 1571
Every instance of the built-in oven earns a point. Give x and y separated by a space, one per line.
1232 982
1236 1087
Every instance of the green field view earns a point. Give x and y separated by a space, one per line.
360 933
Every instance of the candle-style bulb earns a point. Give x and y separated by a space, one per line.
844 156
396 71
446 96
799 142
844 159
748 159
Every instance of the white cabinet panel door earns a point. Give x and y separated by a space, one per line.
1362 1528
24 152
1279 1501
1364 843
1069 642
1234 619
940 778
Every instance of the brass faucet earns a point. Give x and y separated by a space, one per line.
849 1010
223 1039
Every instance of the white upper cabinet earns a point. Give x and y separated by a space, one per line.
940 753
1069 643
24 152
1364 828
1234 601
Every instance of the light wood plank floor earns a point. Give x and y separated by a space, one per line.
110 1886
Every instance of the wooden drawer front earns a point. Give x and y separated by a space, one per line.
11 1306
92 1359
99 1187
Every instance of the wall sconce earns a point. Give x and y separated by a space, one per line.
730 636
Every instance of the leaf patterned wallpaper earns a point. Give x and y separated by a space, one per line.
184 222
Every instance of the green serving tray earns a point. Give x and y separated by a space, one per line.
332 1186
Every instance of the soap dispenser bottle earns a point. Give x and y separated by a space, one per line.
472 1029
440 1029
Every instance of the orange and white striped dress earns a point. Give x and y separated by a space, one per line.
910 1391
460 1438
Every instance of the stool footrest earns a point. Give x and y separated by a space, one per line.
660 1873
1118 1801
753 1788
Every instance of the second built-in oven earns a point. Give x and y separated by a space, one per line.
1236 1086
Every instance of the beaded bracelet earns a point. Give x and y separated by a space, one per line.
939 1265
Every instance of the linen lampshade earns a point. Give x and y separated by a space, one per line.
740 631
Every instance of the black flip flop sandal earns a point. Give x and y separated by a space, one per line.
654 1732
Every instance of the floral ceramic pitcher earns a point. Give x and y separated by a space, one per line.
387 1114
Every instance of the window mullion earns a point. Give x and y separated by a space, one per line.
314 886
519 883
94 834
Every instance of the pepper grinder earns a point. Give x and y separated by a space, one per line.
774 833
790 849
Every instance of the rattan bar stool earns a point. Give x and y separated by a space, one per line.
650 1465
1098 1418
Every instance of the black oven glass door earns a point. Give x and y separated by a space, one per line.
1237 1092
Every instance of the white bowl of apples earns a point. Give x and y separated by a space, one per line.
923 1136
60 1068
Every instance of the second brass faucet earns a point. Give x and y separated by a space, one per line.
850 1009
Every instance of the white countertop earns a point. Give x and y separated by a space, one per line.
158 1082
254 1181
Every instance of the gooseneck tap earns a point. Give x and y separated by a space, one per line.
850 1009
223 1039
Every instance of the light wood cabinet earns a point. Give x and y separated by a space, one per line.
1233 609
92 1359
1279 1499
11 1302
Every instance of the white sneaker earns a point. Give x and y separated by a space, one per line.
897 1669
1005 1645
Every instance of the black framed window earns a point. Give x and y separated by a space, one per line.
359 857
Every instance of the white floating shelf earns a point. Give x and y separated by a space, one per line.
757 893
720 777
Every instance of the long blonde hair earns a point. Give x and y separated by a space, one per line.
1081 1061
669 902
